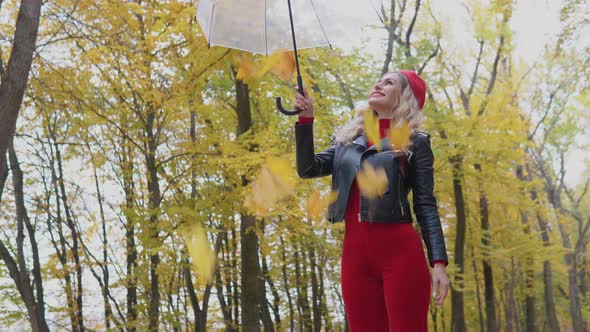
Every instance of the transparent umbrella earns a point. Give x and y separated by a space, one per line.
266 26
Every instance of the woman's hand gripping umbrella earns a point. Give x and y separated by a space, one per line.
259 26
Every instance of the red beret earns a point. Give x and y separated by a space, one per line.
417 84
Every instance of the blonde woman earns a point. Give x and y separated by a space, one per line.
386 282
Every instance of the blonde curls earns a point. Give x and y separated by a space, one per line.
407 109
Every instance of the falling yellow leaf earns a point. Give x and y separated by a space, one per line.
399 135
274 183
247 68
372 182
372 128
202 256
284 65
316 204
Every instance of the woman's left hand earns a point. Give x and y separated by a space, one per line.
440 283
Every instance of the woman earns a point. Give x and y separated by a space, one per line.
385 277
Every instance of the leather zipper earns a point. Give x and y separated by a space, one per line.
399 194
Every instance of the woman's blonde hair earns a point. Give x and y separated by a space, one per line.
407 109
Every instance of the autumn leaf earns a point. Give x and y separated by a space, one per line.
202 256
399 135
284 65
372 128
247 68
274 183
372 182
317 204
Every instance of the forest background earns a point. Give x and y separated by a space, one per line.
136 141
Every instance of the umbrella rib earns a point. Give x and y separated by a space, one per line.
320 22
211 23
265 30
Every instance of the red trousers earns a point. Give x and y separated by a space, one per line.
385 277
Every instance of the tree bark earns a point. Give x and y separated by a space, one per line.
550 313
529 271
154 198
458 314
315 293
286 284
262 301
127 169
14 81
490 300
302 297
31 294
249 298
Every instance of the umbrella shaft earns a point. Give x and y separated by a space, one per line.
299 81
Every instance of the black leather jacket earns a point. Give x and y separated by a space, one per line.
343 161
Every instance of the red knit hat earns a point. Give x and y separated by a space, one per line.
417 84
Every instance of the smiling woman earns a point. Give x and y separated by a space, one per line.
386 282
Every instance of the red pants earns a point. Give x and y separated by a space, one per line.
385 277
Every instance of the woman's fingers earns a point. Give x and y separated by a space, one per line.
444 290
440 287
435 283
300 105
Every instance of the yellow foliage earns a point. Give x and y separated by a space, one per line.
283 65
372 182
317 204
372 127
274 183
247 68
202 256
399 135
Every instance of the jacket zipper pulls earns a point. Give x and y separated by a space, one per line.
399 194
360 200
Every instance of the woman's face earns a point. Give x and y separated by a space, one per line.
385 95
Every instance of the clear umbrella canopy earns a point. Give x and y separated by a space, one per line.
262 26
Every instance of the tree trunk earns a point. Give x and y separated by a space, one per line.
3 173
127 169
478 296
60 245
302 300
550 314
458 315
31 294
73 291
528 265
572 273
262 301
276 300
315 293
154 198
286 284
553 195
14 81
491 323
104 265
249 299
323 299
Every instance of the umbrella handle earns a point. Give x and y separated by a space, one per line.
296 111
284 111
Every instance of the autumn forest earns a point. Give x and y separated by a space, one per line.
133 157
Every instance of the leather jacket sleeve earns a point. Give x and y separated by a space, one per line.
309 164
421 175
